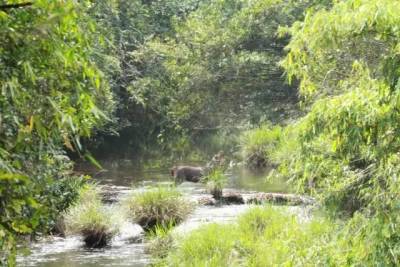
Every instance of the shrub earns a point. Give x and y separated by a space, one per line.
257 145
60 196
91 219
158 206
349 141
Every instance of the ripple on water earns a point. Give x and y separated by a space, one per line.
70 251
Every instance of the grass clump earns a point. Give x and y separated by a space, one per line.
215 182
162 206
90 218
257 145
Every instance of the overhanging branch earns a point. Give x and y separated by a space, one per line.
12 6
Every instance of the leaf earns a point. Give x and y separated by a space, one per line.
31 122
21 228
67 143
92 160
13 176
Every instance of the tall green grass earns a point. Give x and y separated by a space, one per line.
264 236
160 241
158 206
258 144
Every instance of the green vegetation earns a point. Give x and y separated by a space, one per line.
257 145
51 95
345 150
90 218
219 68
263 236
161 241
162 206
215 182
127 76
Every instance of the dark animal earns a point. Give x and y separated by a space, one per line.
187 173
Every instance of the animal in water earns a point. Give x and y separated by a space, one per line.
187 173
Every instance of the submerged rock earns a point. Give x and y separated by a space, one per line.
206 201
96 238
278 198
233 198
236 198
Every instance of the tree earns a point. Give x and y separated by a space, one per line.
220 66
347 61
51 95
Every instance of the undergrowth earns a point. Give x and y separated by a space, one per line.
91 219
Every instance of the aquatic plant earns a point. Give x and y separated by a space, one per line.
158 206
215 182
91 219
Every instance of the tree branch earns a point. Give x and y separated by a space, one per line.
11 6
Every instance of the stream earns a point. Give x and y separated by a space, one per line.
127 248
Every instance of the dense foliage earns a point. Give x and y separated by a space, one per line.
345 150
192 68
51 94
166 70
220 67
123 27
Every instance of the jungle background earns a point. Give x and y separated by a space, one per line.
310 87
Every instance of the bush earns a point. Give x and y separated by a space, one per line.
258 144
349 141
158 206
60 196
51 95
91 219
